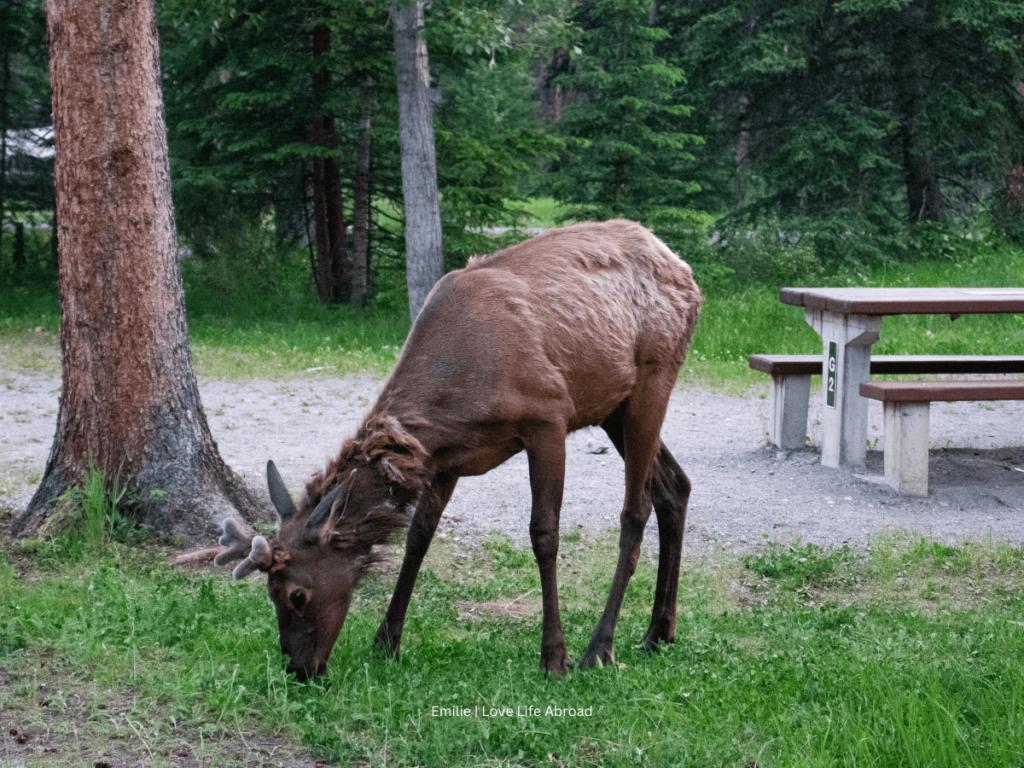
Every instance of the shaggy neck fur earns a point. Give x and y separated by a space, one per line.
383 446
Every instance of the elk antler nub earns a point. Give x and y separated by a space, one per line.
236 542
260 558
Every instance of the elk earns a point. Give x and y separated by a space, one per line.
583 326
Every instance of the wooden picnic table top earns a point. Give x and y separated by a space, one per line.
908 301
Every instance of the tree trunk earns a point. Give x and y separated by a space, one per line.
361 206
325 286
340 268
924 194
19 247
742 181
129 403
331 245
424 259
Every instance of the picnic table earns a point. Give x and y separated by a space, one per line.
848 320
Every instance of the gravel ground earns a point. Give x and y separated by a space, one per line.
743 490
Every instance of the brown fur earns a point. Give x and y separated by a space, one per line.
585 325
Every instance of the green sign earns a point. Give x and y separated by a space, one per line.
830 379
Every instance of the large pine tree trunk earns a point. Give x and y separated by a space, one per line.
129 402
424 259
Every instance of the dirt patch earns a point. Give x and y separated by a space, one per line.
742 489
515 610
52 716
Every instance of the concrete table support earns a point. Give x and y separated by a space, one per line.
790 396
906 447
844 420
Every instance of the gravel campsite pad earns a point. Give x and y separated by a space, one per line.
743 490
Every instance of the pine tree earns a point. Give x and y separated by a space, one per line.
626 116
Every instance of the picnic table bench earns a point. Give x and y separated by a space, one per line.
907 412
849 320
791 383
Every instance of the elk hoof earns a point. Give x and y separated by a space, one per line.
593 654
599 649
555 663
654 638
385 645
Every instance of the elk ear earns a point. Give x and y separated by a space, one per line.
325 507
236 542
279 494
329 504
260 558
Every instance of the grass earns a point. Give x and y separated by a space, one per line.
282 333
910 653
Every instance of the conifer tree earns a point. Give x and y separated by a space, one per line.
626 113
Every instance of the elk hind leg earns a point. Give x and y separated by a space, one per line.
421 533
670 488
638 420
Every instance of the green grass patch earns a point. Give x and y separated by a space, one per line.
734 326
799 566
543 212
923 670
253 326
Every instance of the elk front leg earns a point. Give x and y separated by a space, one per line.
421 533
546 454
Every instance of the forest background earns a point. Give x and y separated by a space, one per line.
766 142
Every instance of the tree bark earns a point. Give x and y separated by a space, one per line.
924 193
328 210
129 403
19 247
361 206
5 126
424 258
325 286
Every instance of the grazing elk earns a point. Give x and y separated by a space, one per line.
585 325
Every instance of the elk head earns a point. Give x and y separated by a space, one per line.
321 552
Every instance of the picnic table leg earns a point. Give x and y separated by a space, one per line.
790 396
844 420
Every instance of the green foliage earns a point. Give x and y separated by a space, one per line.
88 519
830 111
797 566
489 142
626 117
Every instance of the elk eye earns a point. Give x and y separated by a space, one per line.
298 599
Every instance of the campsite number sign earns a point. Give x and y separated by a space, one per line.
830 380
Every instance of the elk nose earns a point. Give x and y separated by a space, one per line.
303 674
